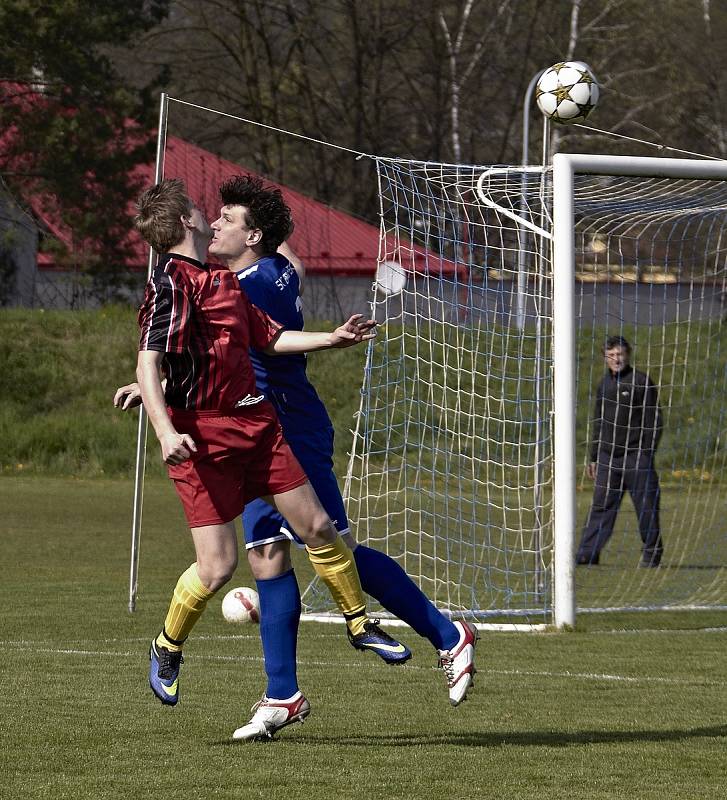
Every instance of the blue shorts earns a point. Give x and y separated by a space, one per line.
262 524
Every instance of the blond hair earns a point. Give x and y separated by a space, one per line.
159 212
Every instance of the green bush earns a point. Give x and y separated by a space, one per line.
60 370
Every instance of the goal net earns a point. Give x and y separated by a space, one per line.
454 464
450 465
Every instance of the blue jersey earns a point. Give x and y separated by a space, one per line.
272 284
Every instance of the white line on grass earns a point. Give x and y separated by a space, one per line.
598 676
717 629
232 637
593 676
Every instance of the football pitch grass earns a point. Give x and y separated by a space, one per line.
627 706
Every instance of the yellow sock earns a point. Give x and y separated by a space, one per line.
188 602
335 566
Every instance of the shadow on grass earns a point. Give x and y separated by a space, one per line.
500 739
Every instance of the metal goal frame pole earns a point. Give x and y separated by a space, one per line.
565 167
143 426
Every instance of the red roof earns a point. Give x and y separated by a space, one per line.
326 240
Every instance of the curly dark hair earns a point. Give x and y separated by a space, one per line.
266 209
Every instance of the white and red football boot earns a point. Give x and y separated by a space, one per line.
459 662
271 715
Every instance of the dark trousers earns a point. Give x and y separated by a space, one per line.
636 474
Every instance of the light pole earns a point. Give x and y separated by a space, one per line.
526 114
521 312
522 273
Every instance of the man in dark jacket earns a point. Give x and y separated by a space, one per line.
627 427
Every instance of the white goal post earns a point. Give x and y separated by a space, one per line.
565 168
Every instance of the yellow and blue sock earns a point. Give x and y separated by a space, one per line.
335 566
188 602
279 616
383 578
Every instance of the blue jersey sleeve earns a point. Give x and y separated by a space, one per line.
273 286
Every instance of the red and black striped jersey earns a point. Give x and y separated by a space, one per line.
203 322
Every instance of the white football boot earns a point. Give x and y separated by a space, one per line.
271 715
459 662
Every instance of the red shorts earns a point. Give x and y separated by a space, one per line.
239 457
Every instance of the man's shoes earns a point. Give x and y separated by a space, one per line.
590 561
459 662
164 673
650 560
374 639
271 715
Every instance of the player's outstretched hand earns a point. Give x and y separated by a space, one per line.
177 447
356 329
128 396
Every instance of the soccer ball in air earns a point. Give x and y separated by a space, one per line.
567 92
241 605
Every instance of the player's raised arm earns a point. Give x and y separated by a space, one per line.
354 331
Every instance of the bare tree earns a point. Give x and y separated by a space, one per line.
714 82
460 74
432 79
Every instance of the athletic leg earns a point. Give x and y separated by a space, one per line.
330 556
279 615
216 550
268 553
335 565
381 576
384 579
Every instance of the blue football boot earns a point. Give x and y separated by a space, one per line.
164 673
377 641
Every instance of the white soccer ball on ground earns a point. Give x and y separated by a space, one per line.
241 605
567 92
